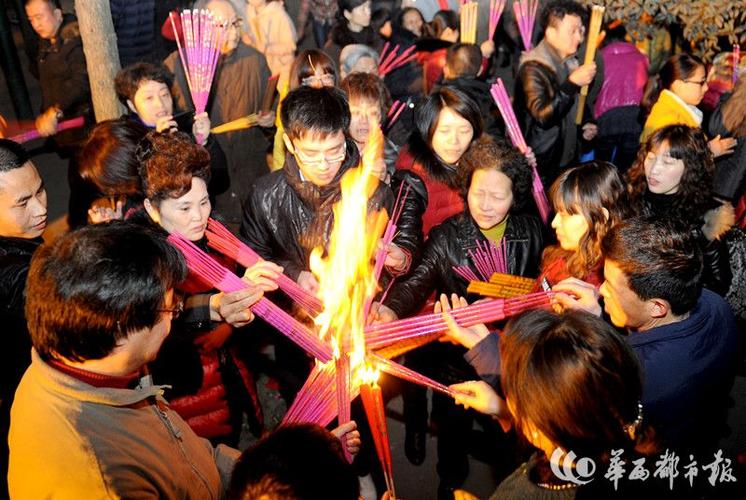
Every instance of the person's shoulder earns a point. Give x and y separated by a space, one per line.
270 185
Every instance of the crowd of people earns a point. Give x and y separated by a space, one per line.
126 375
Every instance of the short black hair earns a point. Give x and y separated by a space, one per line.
349 5
56 4
12 155
129 79
556 11
320 111
463 59
660 258
95 286
297 461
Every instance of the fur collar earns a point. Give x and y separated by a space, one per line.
718 221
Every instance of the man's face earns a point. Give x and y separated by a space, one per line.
566 35
225 14
319 159
365 115
45 19
151 102
23 203
624 307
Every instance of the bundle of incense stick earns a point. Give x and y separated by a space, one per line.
34 134
404 346
242 123
525 16
381 335
597 16
500 95
221 278
488 258
370 393
736 61
392 60
394 111
496 10
402 372
502 286
342 372
315 402
203 37
468 20
391 228
225 242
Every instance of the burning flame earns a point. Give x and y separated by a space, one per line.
368 375
345 273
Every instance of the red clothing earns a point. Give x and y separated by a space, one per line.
554 269
443 201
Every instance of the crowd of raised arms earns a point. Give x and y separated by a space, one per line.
125 374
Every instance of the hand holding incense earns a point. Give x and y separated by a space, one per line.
63 125
597 16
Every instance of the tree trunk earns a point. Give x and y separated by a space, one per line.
101 54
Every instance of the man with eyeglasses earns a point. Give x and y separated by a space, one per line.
241 78
289 212
86 422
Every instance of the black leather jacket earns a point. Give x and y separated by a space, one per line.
448 246
283 225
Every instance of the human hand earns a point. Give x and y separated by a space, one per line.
46 123
214 339
308 282
479 395
487 48
234 307
583 75
397 259
264 274
350 437
166 124
201 128
463 495
102 211
572 293
467 337
265 119
379 313
722 146
590 130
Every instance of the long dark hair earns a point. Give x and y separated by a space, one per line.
592 189
688 144
426 116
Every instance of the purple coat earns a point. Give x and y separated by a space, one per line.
625 75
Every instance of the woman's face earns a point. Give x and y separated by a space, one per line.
692 89
570 229
359 17
412 22
365 115
152 101
452 136
489 198
186 214
662 172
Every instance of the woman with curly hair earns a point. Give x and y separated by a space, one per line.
588 200
211 387
496 182
673 177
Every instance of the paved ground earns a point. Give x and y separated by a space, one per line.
413 482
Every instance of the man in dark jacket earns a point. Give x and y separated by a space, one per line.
65 91
548 86
23 218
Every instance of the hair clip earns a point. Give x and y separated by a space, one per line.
631 429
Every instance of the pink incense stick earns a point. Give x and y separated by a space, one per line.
496 10
381 335
221 278
394 61
225 242
736 61
402 372
343 377
500 95
34 134
525 15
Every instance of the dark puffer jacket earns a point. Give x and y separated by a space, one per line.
285 218
134 24
63 77
448 246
